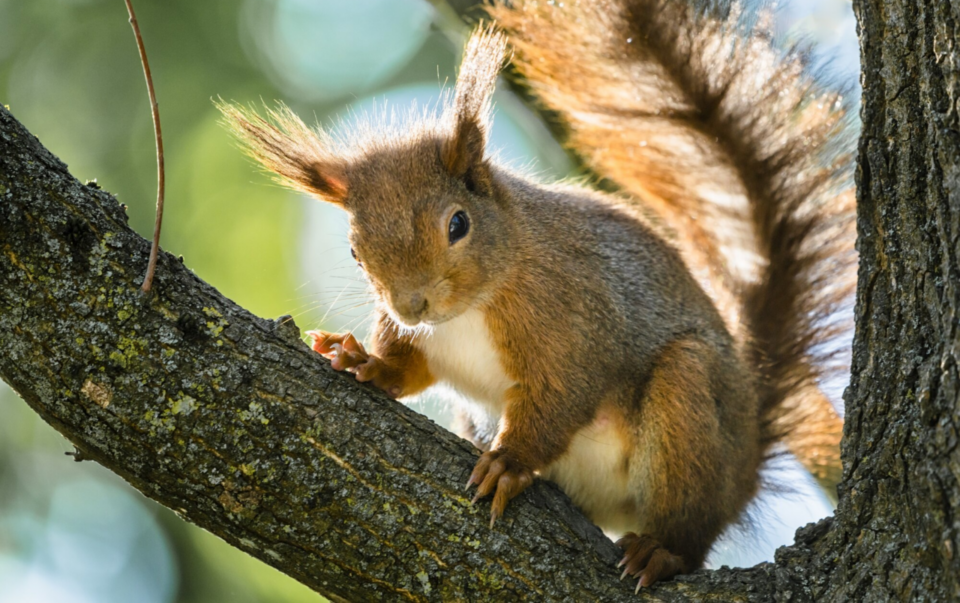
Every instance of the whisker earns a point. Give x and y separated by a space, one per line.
356 323
307 300
331 306
346 278
355 302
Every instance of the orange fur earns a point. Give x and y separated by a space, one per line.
680 437
402 363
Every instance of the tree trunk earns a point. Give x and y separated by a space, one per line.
235 424
895 534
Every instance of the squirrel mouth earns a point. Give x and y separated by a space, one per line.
426 322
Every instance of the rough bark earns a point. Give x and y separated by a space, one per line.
897 523
232 422
894 534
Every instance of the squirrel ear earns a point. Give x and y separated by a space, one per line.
462 153
328 181
300 156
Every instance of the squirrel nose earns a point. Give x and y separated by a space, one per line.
418 304
414 307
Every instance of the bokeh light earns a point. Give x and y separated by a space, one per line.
319 49
95 543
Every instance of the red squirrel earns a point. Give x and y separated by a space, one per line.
643 350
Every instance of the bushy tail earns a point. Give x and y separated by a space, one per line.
689 107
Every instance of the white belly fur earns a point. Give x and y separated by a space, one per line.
461 355
593 475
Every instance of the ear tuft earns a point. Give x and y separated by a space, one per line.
301 157
469 115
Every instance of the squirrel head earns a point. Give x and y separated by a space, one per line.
427 222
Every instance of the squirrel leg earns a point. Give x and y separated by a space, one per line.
691 472
533 434
399 370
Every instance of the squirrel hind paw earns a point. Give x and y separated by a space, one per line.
647 560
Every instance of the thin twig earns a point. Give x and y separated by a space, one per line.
77 455
155 111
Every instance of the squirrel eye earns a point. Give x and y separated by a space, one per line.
459 226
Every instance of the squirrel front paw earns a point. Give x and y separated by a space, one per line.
342 349
497 471
646 559
347 354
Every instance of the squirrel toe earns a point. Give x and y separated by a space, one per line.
499 474
646 559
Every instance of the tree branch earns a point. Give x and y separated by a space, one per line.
232 422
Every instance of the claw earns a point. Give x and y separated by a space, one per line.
321 341
335 355
645 580
647 560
